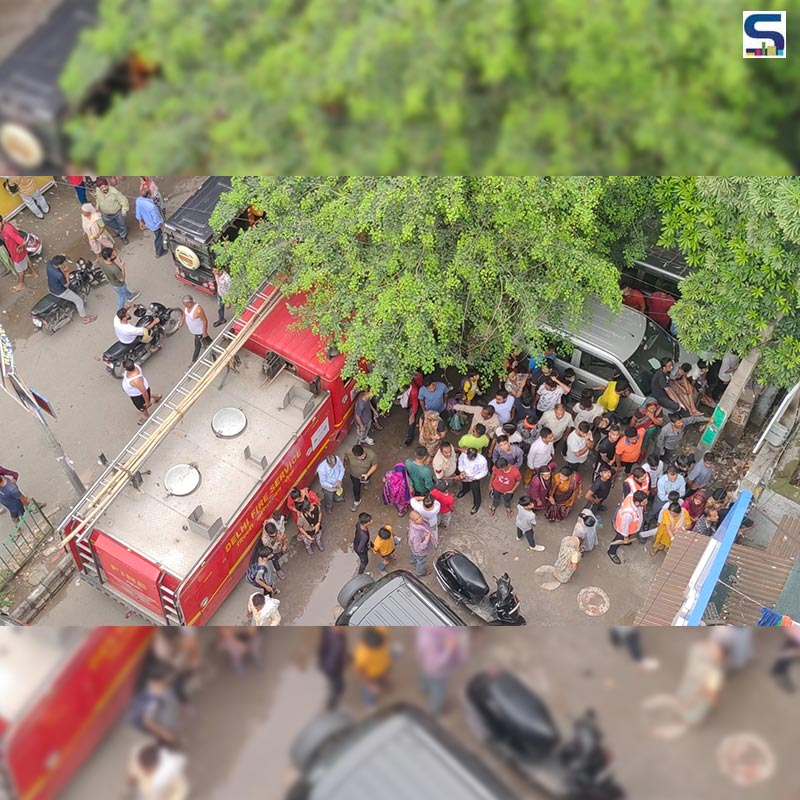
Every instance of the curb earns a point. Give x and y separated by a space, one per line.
35 602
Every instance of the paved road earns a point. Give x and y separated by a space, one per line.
94 415
239 741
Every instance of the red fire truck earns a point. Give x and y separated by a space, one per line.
170 526
60 692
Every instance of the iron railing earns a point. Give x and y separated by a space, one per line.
19 546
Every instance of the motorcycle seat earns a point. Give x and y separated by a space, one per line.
517 710
118 350
469 575
48 304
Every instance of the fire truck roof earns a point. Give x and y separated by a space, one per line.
28 658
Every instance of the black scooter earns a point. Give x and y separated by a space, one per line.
514 722
139 351
52 313
463 580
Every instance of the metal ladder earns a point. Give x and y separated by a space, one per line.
227 343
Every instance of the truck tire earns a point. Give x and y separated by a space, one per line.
312 738
355 585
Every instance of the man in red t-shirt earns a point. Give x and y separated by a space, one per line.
296 497
446 502
504 482
15 244
658 306
633 298
79 184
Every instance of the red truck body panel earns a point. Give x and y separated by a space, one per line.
47 744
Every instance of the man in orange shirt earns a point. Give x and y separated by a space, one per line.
629 448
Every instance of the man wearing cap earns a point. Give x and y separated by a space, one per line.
113 206
150 217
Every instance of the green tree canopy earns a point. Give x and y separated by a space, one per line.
432 87
742 237
423 272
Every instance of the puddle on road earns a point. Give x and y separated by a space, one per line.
298 696
319 604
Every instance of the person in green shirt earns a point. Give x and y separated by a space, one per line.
114 269
476 438
419 473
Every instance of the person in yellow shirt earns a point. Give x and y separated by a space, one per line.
469 387
372 663
612 392
384 546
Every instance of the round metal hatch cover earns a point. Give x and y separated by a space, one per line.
228 422
182 479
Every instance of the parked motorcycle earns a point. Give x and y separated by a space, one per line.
51 312
463 580
139 351
514 722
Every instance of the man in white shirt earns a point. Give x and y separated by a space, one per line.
557 420
579 443
158 773
128 333
541 452
654 467
428 508
503 405
730 363
472 468
586 410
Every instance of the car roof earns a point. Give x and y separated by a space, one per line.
33 69
191 219
665 262
367 762
619 334
400 599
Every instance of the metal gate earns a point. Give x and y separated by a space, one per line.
19 546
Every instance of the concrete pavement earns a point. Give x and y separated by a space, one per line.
238 742
94 415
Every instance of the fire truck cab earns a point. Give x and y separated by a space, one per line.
177 538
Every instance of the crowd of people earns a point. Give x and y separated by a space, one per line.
539 456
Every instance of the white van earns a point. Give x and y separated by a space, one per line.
606 344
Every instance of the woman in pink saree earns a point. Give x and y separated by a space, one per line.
397 488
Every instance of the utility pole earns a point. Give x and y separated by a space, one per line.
16 388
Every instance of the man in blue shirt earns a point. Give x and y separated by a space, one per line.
433 395
58 285
150 217
670 481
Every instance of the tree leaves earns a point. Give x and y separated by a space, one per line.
427 87
417 272
742 236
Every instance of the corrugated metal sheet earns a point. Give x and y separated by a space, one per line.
758 574
786 541
669 584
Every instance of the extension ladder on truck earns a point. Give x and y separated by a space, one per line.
124 468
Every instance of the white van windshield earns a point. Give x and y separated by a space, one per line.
656 344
